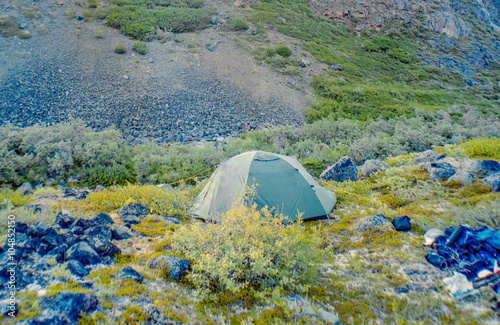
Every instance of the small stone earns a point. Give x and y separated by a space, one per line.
372 166
125 77
426 156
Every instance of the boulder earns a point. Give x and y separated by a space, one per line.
462 177
493 181
21 227
372 223
77 268
83 253
102 219
175 266
343 170
134 209
38 229
83 223
130 274
426 156
440 171
64 219
99 188
70 305
68 192
104 247
82 195
129 220
72 180
121 232
103 231
372 166
490 166
26 188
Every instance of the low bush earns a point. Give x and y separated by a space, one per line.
24 35
100 13
237 24
140 47
249 254
284 51
70 14
98 33
92 4
120 49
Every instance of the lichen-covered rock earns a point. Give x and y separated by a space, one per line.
130 274
38 229
372 166
371 223
134 209
26 188
69 306
175 266
77 268
426 156
64 219
121 232
103 231
462 177
493 181
441 171
102 219
343 170
83 253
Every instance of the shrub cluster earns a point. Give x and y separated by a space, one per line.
140 47
248 254
140 19
237 24
278 59
120 49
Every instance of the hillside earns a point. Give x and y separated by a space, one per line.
114 113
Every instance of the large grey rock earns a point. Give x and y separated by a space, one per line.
426 156
103 231
64 219
69 305
493 181
83 253
441 171
134 209
343 170
175 266
304 307
129 220
462 177
26 188
490 166
372 166
38 229
121 232
77 268
372 223
103 246
130 274
102 219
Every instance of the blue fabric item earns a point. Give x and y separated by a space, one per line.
466 250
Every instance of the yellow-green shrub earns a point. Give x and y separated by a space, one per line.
159 201
249 252
482 147
16 198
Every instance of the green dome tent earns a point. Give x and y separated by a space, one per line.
280 182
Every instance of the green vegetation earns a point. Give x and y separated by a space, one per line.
70 14
284 51
9 26
140 47
120 49
92 4
140 19
281 63
100 13
98 33
248 255
237 24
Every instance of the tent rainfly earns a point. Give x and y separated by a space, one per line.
281 183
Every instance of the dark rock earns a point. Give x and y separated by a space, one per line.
175 266
104 246
121 232
336 67
80 18
441 171
130 274
69 238
70 305
68 192
83 223
82 195
77 230
372 166
490 166
426 156
343 170
130 220
23 25
102 219
82 252
103 231
64 219
402 223
21 227
39 208
38 229
493 181
134 209
77 268
26 189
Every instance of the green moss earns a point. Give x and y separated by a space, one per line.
154 227
134 315
68 286
130 288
